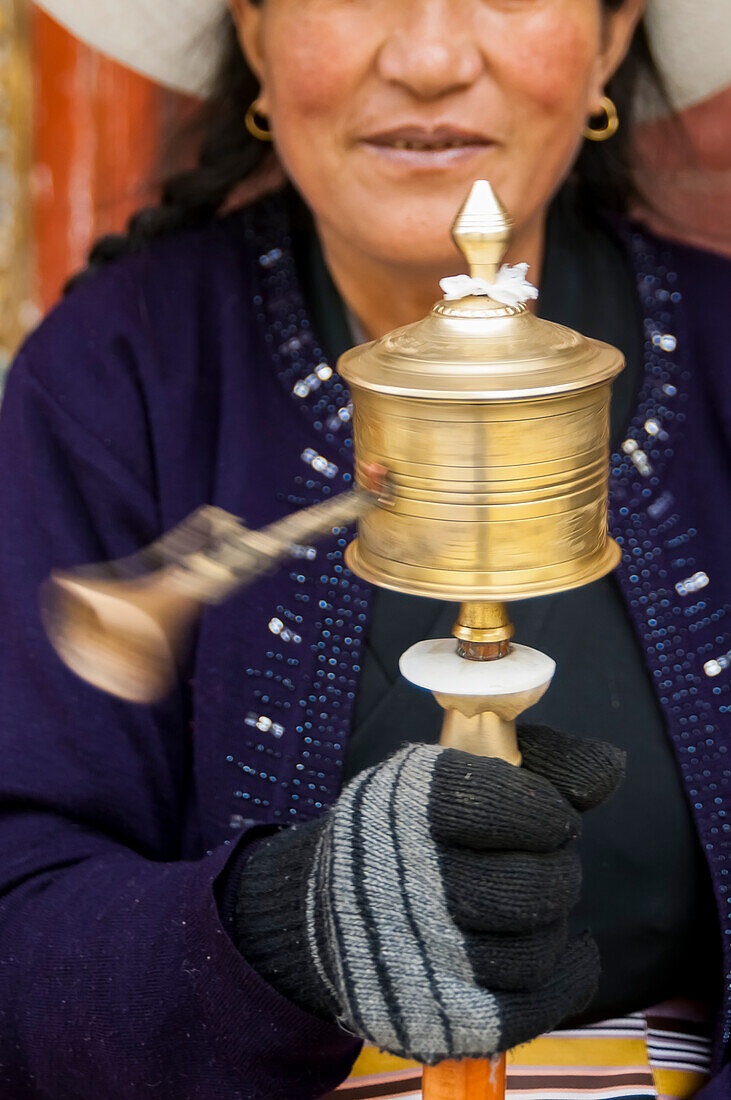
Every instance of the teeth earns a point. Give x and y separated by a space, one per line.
434 147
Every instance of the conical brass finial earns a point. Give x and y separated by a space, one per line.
482 231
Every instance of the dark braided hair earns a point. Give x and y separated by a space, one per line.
228 154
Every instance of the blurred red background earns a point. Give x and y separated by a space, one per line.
98 130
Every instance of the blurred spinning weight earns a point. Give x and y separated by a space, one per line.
123 625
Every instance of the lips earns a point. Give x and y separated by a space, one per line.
420 139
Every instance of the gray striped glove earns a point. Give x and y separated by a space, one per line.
427 912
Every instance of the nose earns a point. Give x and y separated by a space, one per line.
423 54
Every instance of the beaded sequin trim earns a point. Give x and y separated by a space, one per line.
327 606
676 604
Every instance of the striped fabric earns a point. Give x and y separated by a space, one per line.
660 1054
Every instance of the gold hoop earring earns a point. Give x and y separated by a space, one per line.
253 126
610 127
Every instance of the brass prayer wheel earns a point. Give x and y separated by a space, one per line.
494 426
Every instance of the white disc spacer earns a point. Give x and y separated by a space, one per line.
435 664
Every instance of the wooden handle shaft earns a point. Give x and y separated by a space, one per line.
471 1078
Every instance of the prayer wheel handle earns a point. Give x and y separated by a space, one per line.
480 720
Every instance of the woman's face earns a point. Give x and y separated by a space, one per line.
385 111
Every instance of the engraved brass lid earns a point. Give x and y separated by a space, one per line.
494 428
476 348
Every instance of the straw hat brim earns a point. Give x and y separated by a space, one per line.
175 43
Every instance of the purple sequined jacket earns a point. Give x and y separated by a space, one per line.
190 374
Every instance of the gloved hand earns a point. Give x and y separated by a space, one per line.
427 911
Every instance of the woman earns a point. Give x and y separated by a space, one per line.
162 928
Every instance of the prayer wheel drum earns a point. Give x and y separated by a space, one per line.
494 426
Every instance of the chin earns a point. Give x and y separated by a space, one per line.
389 245
415 235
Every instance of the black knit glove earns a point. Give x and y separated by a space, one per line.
427 912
